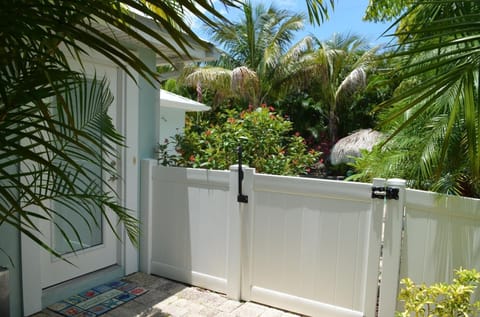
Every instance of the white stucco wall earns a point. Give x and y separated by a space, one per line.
172 122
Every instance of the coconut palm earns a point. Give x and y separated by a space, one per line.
257 49
46 128
439 102
334 71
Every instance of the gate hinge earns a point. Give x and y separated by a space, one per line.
385 192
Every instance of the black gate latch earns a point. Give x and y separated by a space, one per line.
241 198
385 192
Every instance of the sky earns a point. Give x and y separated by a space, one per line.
346 18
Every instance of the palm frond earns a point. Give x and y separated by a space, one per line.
439 49
53 149
215 78
318 10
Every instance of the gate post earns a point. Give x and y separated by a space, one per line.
236 228
394 215
374 246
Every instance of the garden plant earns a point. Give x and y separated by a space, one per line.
266 138
441 299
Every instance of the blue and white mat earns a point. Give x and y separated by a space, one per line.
98 300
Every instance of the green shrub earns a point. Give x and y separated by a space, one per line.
266 138
441 299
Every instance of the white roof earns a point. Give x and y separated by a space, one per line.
171 100
196 52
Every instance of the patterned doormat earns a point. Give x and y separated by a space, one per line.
98 300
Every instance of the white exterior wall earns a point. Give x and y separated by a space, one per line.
172 122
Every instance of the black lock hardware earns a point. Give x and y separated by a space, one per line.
385 192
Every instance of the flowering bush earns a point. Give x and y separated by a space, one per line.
266 138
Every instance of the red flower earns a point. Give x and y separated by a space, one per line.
192 158
208 132
271 108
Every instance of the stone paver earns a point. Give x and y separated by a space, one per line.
250 310
229 306
167 298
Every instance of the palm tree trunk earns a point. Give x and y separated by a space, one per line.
333 126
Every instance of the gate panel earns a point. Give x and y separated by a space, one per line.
309 245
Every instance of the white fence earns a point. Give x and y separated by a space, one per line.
307 245
185 230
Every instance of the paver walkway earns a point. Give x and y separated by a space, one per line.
169 298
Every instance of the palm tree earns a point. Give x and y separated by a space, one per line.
257 49
42 124
334 71
439 102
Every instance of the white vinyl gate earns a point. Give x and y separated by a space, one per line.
306 245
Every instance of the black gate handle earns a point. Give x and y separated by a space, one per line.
241 198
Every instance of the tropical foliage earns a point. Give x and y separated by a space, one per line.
321 86
332 73
385 10
441 299
266 138
258 56
433 120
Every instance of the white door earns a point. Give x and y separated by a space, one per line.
97 246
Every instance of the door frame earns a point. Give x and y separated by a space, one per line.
127 99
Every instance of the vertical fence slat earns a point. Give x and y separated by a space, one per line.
391 250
